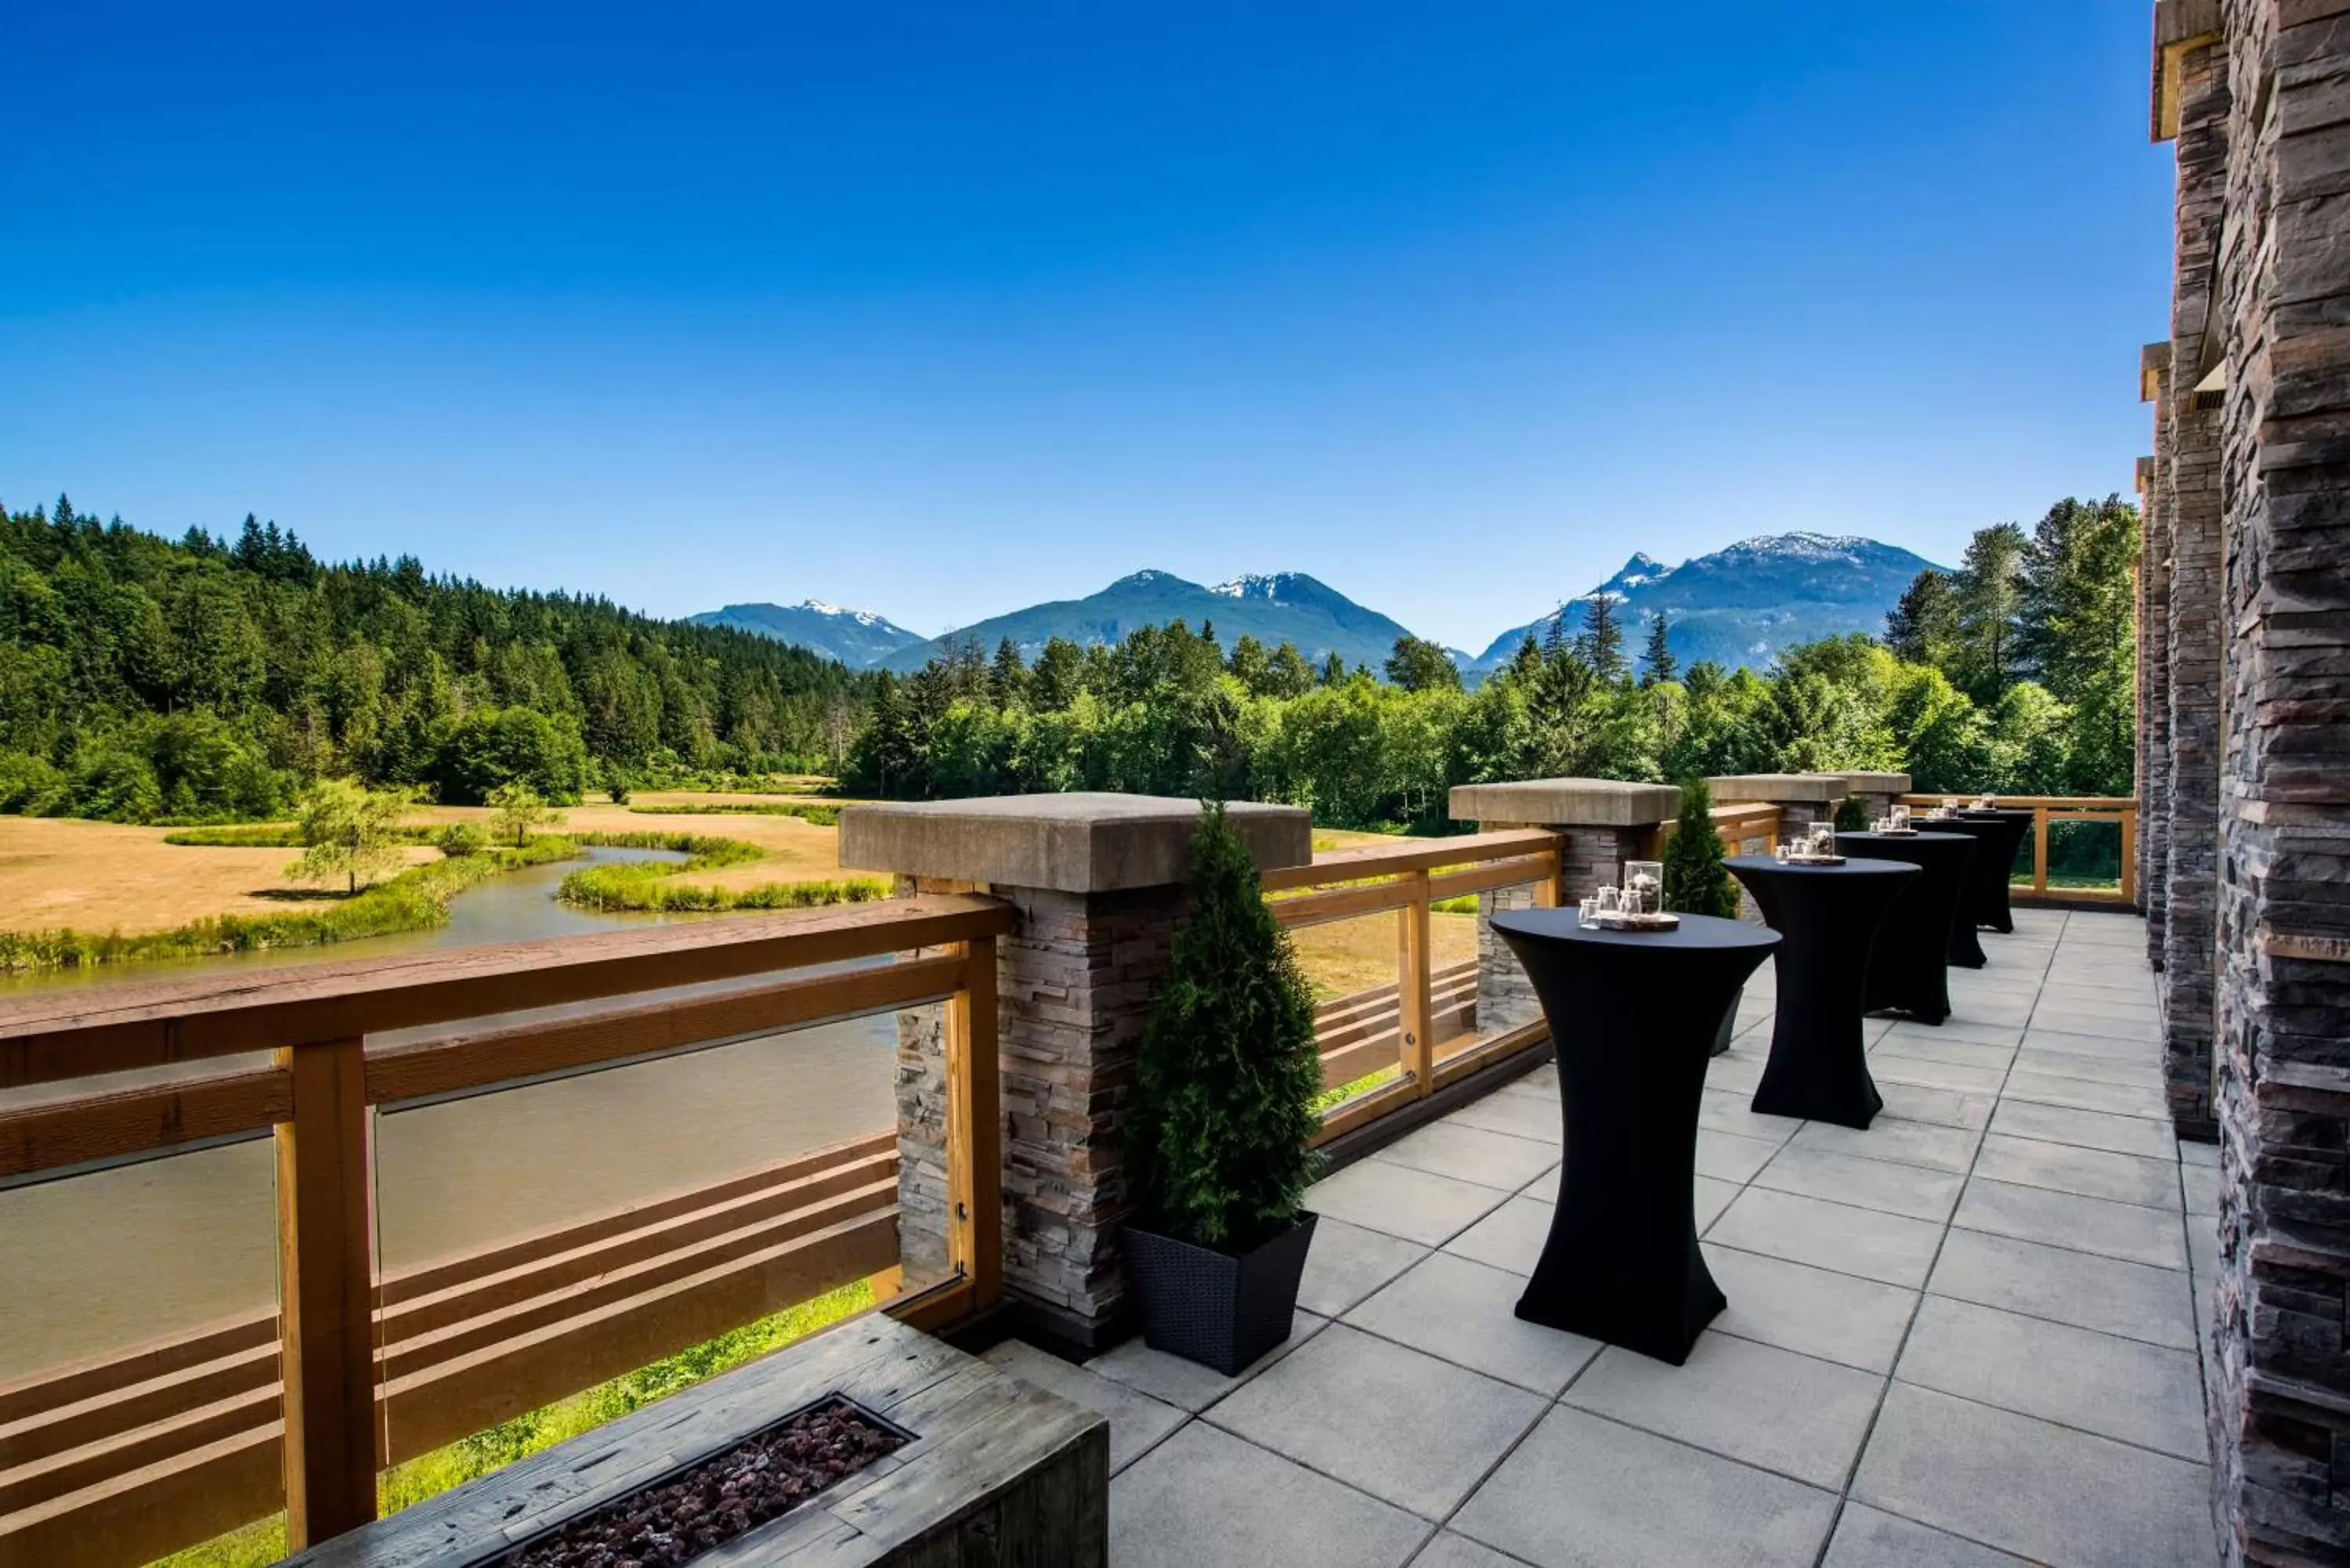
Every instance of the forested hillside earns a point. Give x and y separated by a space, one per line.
144 679
2014 674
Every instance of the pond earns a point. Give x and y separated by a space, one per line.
102 1259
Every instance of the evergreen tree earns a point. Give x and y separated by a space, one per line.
1419 664
1601 644
1659 656
1224 1087
1058 677
1695 880
1334 669
1989 592
1923 625
1290 675
1252 666
1007 677
1554 634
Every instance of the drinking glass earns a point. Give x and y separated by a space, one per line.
1644 887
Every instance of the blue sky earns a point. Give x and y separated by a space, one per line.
942 310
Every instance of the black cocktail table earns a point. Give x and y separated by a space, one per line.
1998 836
1909 964
1828 917
1633 1014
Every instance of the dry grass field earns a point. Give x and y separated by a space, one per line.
102 877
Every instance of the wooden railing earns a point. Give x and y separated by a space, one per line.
1428 1005
2119 810
121 1458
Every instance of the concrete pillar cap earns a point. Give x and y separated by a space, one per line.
1876 783
1077 843
1734 789
1566 803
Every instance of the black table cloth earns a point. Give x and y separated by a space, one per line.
1909 963
1827 916
1633 1014
1998 836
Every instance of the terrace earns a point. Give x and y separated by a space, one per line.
1965 1336
2009 1242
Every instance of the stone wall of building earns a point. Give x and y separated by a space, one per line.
2188 455
2153 693
2280 1395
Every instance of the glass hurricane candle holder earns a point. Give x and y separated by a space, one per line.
1783 851
1587 910
1899 818
1644 887
1824 840
1610 901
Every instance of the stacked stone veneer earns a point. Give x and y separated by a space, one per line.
2153 672
1876 792
1094 883
1602 822
2271 261
2186 475
1074 988
1593 856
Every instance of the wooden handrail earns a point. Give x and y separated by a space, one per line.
1427 1004
2119 810
121 1461
45 1038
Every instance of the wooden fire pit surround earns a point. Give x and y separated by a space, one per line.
994 1471
1019 961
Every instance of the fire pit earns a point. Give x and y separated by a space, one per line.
873 1444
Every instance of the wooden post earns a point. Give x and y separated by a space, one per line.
2039 849
2130 856
975 1129
1415 1028
325 1294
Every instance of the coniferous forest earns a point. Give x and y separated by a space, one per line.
211 679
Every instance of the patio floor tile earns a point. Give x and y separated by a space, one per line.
2086 1129
1416 1205
1529 1116
2141 1099
1869 1538
2047 1062
1136 1420
2094 1172
1473 1154
1404 1426
1464 1312
1585 1492
1348 1262
2099 1225
1940 1107
1727 1156
1510 1238
1834 1236
1450 1550
1977 1078
1798 1307
2065 1286
1906 1143
1204 1498
2201 1183
1794 1414
2029 1487
1909 1190
1175 1381
2119 1388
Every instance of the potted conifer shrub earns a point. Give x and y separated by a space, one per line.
1696 882
1223 1105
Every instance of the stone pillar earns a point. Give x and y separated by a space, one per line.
1097 881
1803 799
2280 1382
2188 480
1876 792
1604 824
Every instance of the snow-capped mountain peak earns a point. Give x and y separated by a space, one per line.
840 612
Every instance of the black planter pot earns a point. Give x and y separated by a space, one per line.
1220 1309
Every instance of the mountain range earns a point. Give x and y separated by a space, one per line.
1740 605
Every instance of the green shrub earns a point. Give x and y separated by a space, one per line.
1695 882
462 838
1852 814
29 784
1224 1094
